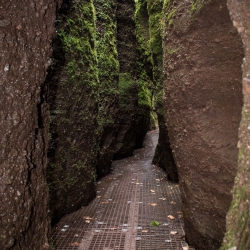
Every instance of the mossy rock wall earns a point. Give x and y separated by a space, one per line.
26 30
72 86
238 218
203 101
149 24
108 72
133 118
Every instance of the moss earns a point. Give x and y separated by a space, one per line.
144 95
170 11
108 72
107 56
155 29
73 96
148 19
196 6
80 49
126 87
238 222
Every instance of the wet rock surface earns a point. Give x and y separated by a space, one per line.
26 30
202 64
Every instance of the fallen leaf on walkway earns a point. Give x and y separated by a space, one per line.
164 199
153 204
87 218
172 202
76 235
152 191
173 232
158 180
180 216
113 228
105 202
144 231
74 244
137 183
171 217
185 248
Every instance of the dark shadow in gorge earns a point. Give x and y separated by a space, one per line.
51 86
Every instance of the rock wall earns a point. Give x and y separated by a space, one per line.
72 86
148 19
26 30
203 101
238 218
163 156
133 118
108 73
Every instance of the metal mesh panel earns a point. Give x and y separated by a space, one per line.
136 196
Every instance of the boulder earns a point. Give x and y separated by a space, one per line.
203 100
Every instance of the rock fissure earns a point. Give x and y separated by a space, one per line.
83 81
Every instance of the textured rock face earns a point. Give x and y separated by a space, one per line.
26 29
163 153
238 218
108 72
72 96
202 63
148 29
133 118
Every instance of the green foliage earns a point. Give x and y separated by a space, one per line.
155 223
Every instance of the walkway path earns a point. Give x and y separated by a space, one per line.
137 208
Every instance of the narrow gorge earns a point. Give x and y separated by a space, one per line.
83 82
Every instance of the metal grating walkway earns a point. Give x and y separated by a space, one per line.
130 203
